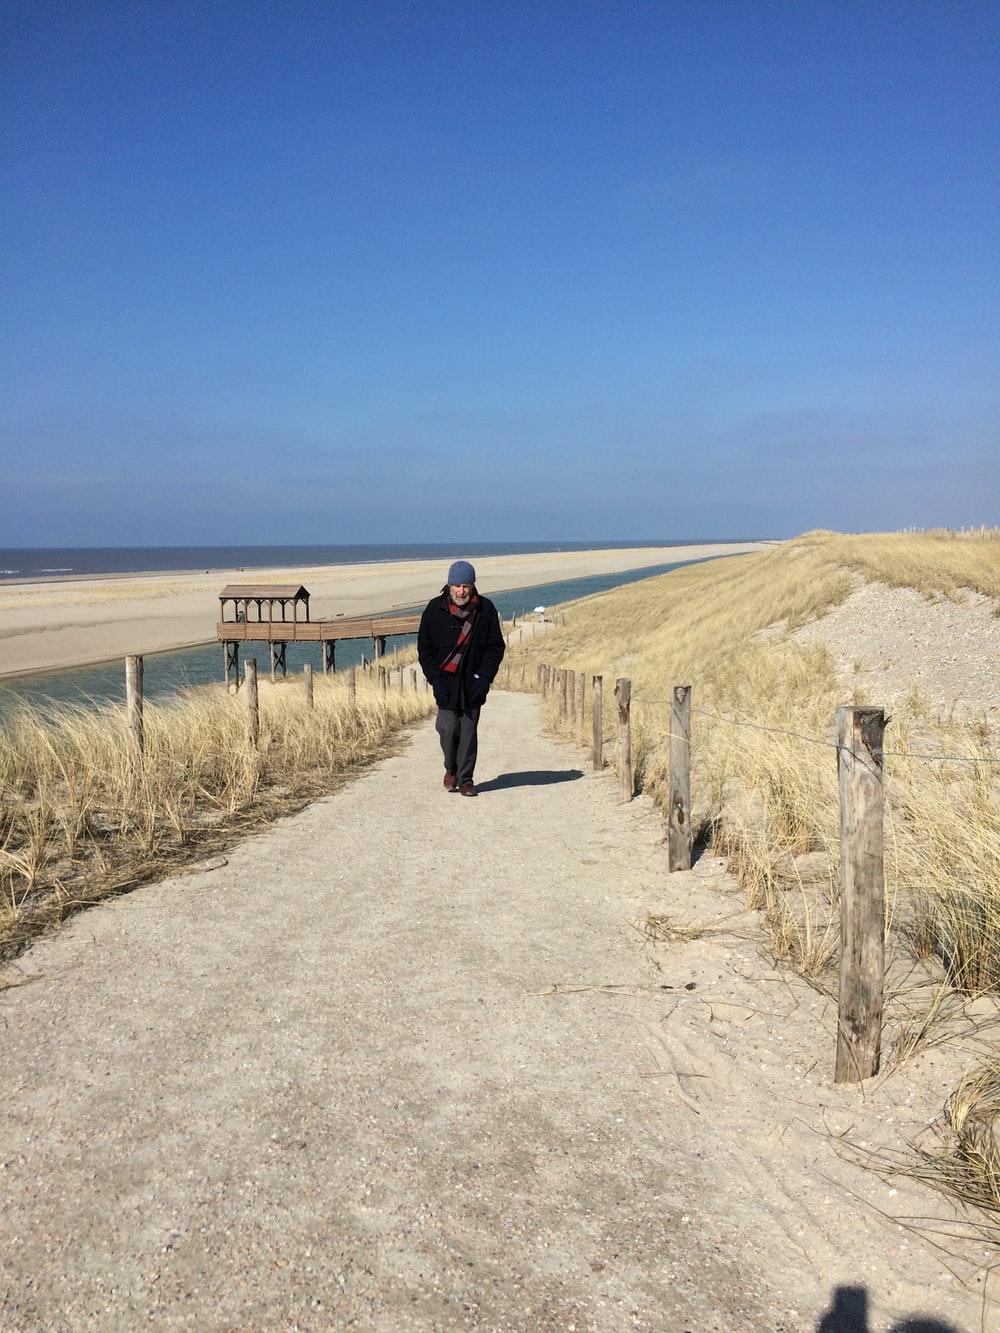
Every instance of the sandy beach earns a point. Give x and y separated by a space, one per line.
52 624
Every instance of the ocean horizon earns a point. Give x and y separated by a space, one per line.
51 562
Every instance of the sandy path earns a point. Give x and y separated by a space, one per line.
318 1087
62 623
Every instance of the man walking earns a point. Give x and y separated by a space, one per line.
460 646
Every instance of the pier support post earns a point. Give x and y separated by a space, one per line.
329 656
231 651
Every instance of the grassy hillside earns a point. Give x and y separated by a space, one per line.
724 628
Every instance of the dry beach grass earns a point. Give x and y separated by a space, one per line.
82 816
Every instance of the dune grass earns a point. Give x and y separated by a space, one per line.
765 797
82 816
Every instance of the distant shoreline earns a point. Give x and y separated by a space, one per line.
54 624
312 557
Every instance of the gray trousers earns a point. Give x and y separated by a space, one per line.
457 731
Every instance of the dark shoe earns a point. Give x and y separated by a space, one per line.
467 789
450 782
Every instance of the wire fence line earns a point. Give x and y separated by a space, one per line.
832 745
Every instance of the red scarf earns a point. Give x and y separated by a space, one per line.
467 614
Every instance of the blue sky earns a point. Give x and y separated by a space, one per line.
398 272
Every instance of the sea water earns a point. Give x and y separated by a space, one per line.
29 563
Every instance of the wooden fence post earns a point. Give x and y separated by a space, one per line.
307 674
253 706
597 723
383 679
564 690
580 682
623 693
133 701
679 835
860 733
413 678
352 686
571 698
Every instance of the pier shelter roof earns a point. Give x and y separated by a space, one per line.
242 594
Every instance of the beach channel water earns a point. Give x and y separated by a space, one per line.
170 673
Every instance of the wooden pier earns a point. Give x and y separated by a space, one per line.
278 633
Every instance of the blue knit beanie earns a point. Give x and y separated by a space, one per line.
461 572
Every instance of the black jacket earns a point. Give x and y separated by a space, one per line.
439 631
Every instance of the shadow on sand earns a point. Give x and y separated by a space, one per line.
849 1314
538 778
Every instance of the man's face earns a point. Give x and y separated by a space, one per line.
460 593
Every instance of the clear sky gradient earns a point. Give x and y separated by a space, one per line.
325 272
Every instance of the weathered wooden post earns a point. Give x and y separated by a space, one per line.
307 675
623 693
571 698
253 706
564 690
580 683
413 679
597 723
679 835
133 701
272 645
383 679
329 656
860 733
352 686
